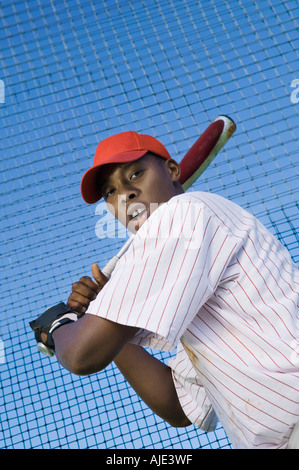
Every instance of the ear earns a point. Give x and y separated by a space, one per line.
174 169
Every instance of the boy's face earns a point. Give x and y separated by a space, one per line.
133 190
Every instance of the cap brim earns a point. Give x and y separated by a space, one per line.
89 190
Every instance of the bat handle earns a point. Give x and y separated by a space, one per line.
108 269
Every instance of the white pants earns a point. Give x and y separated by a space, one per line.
294 438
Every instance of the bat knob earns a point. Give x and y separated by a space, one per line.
45 350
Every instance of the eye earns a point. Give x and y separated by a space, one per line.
136 174
108 193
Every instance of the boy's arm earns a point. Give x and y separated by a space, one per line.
152 381
90 344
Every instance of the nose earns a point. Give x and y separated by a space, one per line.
127 195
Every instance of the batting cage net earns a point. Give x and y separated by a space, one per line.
74 72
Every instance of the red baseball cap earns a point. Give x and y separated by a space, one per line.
119 148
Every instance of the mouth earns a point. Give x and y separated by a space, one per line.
137 215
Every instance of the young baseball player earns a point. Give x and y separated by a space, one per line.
202 276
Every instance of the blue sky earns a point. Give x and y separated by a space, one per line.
75 72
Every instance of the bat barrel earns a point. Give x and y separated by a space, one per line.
205 148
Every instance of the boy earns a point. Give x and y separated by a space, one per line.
202 275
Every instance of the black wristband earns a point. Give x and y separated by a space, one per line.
44 323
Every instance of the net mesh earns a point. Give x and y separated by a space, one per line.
74 72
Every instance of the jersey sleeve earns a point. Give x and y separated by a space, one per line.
192 396
173 266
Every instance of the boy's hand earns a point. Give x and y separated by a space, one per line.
86 290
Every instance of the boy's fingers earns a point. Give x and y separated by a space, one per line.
98 276
89 283
79 303
87 290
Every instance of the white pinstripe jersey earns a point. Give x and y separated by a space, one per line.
205 276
